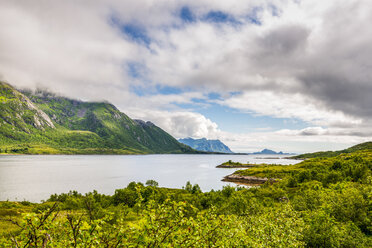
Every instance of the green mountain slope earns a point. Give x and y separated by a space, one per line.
45 122
356 148
19 117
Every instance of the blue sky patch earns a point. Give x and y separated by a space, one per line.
148 89
136 33
187 15
253 18
137 89
275 11
133 31
214 96
167 90
219 17
135 70
235 121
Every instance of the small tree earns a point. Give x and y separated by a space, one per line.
188 186
152 183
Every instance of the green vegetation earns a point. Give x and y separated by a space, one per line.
320 202
231 164
44 123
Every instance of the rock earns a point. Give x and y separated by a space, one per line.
250 180
237 165
81 112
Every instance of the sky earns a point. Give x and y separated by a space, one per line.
287 75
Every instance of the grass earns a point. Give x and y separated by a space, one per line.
11 212
42 149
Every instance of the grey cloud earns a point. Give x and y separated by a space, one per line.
339 72
282 42
340 93
71 47
332 64
335 133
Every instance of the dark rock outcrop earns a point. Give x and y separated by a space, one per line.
248 180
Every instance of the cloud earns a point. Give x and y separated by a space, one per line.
58 45
304 51
310 139
181 124
330 132
286 59
285 105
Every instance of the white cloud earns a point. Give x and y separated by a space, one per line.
284 105
310 139
298 53
311 61
180 124
58 45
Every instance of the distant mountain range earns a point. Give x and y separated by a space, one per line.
44 123
206 145
270 152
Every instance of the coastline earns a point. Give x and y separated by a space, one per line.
231 166
248 180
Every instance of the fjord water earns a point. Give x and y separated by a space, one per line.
35 178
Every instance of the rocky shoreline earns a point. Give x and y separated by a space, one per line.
237 166
248 180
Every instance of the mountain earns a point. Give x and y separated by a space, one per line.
206 145
356 148
43 122
268 152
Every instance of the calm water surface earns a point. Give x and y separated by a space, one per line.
35 178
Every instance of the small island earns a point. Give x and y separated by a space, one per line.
254 174
232 164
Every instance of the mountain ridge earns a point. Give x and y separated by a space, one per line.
270 152
206 145
57 124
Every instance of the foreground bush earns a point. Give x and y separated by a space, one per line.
171 224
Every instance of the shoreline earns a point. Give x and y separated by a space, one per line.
248 180
239 166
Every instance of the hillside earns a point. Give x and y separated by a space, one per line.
206 145
359 147
42 122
